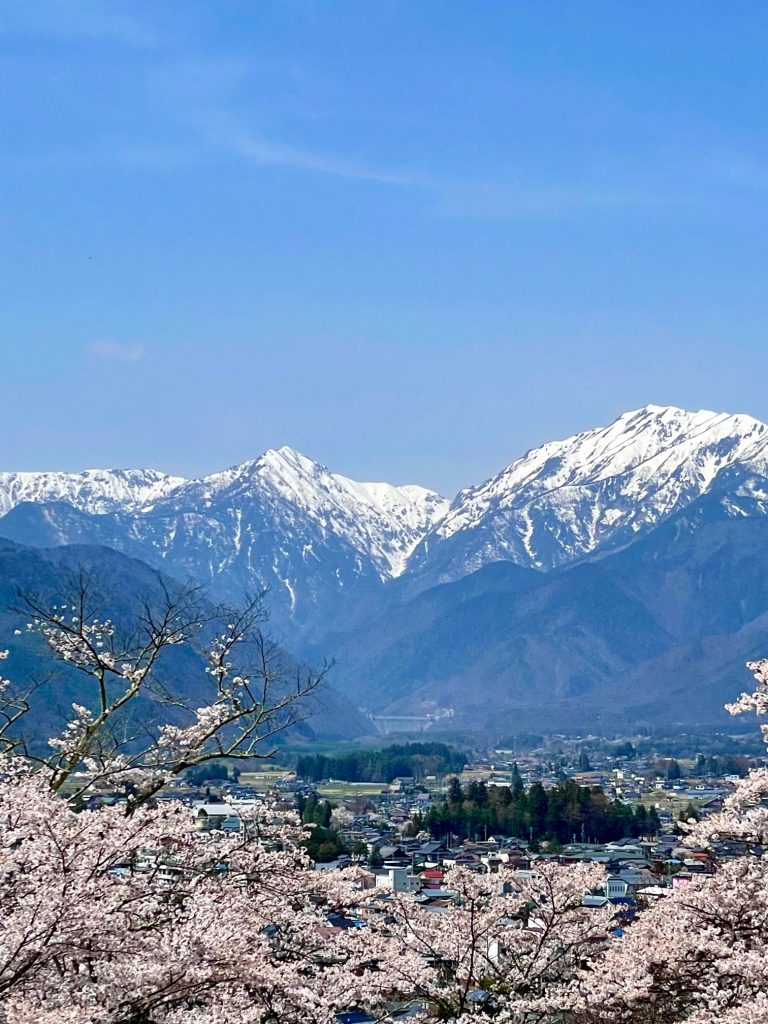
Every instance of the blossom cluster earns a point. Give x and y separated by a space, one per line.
126 915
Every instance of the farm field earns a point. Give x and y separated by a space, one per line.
336 789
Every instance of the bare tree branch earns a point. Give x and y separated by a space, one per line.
252 690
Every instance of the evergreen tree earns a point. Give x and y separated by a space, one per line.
689 812
455 794
517 780
538 804
562 813
641 819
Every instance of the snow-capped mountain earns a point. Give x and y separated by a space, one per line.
326 546
637 581
92 490
281 521
381 522
600 488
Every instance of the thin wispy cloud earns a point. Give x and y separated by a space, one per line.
116 352
452 197
204 96
275 154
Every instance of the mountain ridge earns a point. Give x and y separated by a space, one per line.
565 499
654 634
281 521
572 557
123 584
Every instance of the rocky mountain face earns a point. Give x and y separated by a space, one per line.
615 576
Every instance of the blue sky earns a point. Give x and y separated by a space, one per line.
410 239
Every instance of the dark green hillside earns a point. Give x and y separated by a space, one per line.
656 633
124 583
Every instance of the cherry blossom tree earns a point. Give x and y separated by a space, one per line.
508 937
700 954
249 691
128 915
108 917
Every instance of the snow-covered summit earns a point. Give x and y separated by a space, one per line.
319 540
281 492
563 500
409 511
380 521
91 490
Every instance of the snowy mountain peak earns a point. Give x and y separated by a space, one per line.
91 490
380 520
633 439
287 457
281 520
318 539
563 500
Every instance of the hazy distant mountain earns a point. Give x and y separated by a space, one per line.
657 633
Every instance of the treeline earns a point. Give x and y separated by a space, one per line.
384 765
728 764
564 813
669 767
